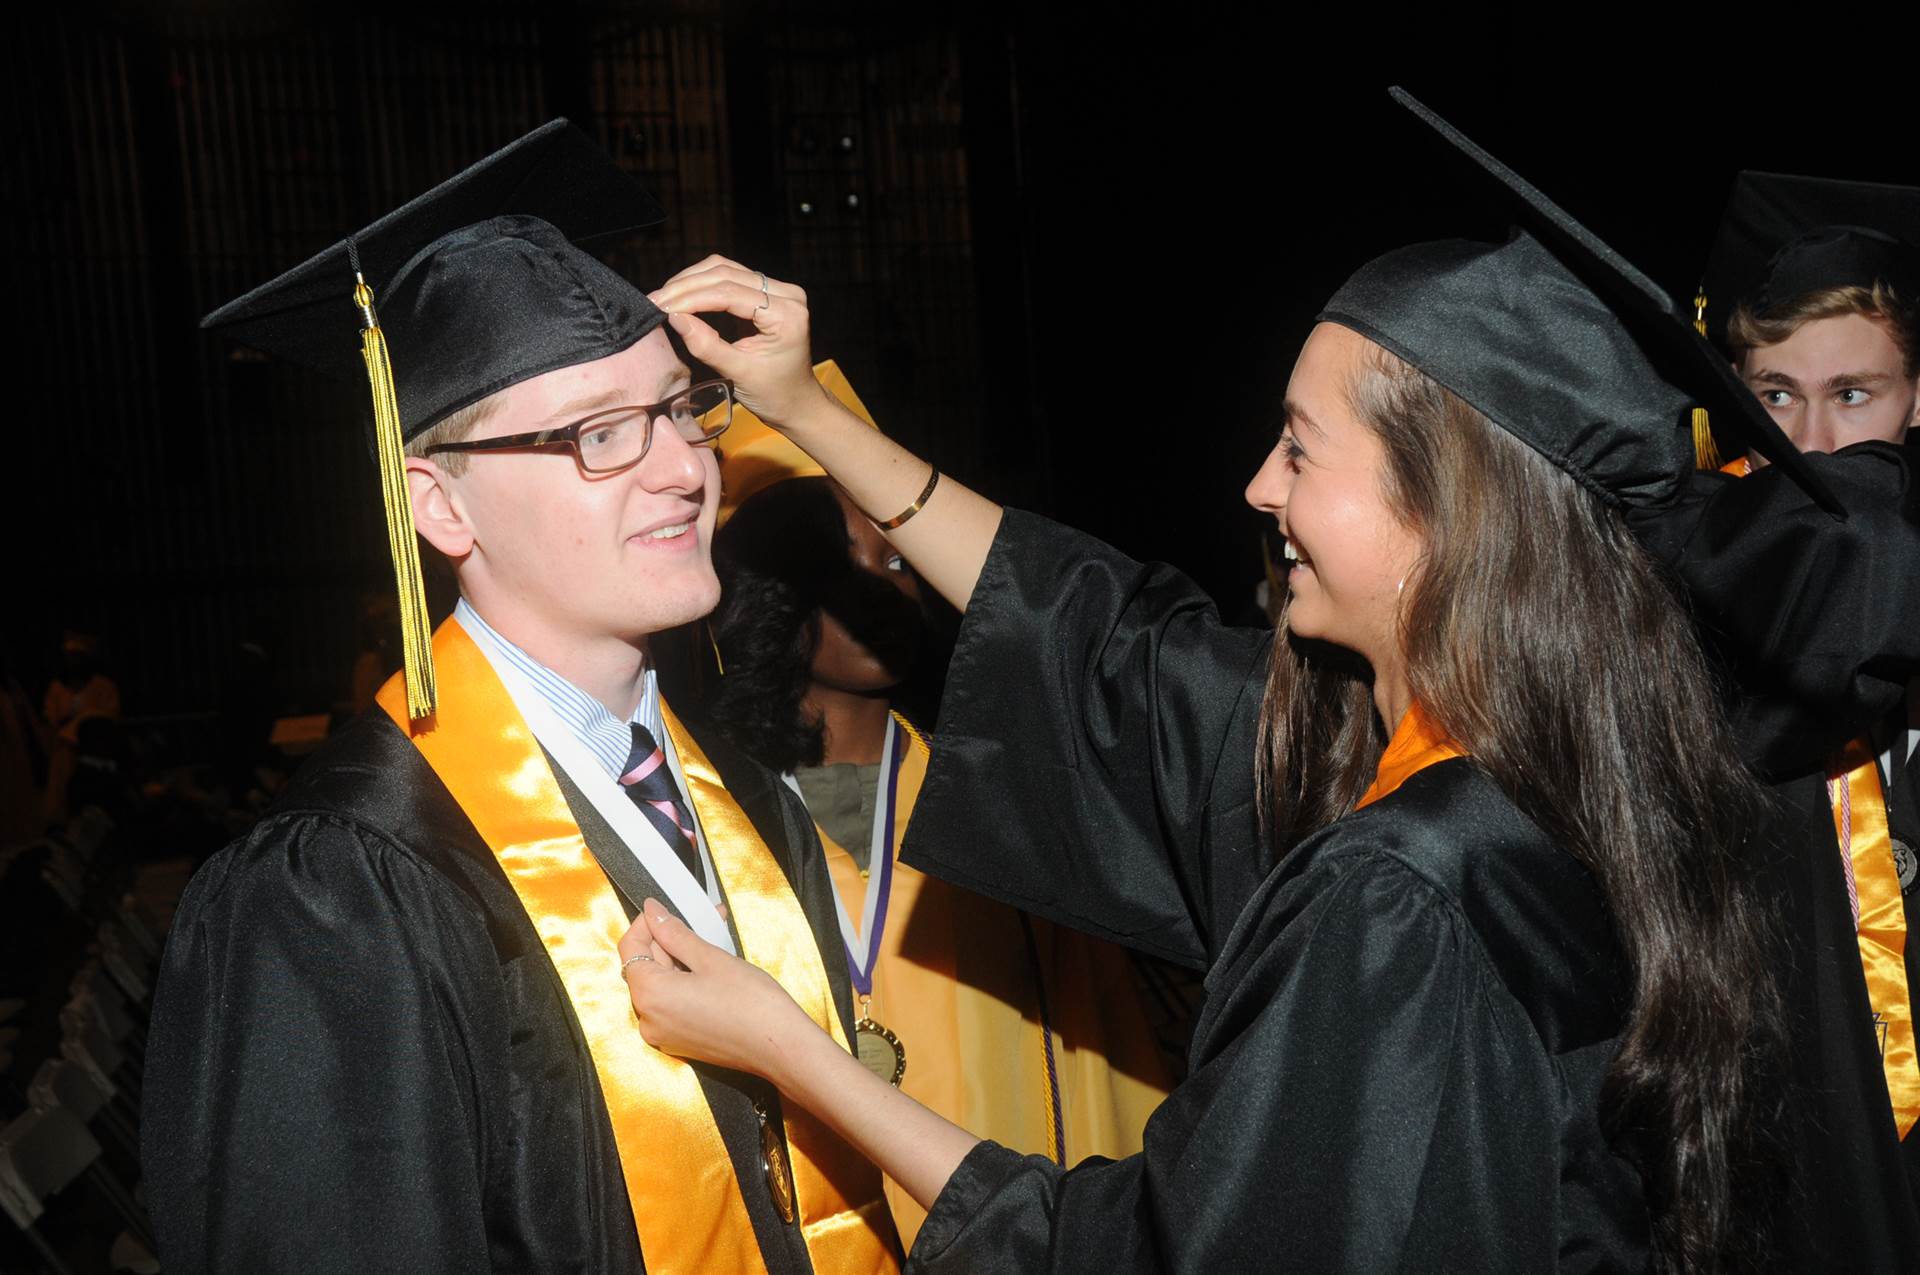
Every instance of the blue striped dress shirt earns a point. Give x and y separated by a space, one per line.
603 734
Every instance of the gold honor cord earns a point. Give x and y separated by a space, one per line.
416 634
1880 920
1705 454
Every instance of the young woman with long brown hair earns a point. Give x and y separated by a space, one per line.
1461 849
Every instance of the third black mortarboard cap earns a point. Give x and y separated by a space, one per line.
1560 341
1783 236
480 283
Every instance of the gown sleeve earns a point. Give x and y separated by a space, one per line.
1368 1098
1094 762
320 1061
1812 617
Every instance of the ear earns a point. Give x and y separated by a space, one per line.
437 511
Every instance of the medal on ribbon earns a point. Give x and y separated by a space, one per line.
773 1162
877 1048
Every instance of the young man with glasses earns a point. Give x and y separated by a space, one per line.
392 1032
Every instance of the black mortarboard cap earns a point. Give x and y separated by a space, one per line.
1560 341
1783 236
479 283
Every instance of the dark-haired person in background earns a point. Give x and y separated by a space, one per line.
82 692
1022 1031
82 689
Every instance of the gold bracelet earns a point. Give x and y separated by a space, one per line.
919 502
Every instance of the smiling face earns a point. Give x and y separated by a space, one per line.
1324 486
1834 382
556 557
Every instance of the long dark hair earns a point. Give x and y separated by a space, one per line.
1547 643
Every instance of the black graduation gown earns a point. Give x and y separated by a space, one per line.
1407 1021
362 1059
1817 623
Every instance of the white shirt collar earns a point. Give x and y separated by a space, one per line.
604 735
549 702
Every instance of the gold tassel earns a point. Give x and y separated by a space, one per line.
416 634
1705 454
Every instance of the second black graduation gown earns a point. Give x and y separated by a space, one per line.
1816 620
1817 623
1407 1022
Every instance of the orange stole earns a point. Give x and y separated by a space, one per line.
1417 743
687 1203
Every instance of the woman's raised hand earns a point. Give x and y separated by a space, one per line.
772 374
696 1001
772 369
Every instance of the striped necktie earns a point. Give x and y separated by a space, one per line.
650 785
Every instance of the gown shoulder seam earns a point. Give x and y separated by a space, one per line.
268 837
1468 935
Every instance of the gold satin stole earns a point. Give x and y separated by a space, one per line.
687 1202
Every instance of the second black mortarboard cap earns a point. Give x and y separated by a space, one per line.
1783 236
1560 341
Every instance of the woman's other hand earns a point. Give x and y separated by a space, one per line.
772 369
696 1001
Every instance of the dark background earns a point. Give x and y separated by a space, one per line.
1082 248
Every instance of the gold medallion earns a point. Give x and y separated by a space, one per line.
773 1159
879 1051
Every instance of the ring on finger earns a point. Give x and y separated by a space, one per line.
637 956
765 300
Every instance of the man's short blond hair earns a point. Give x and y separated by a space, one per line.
456 428
1748 331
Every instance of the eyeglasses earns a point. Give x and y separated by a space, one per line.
618 437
